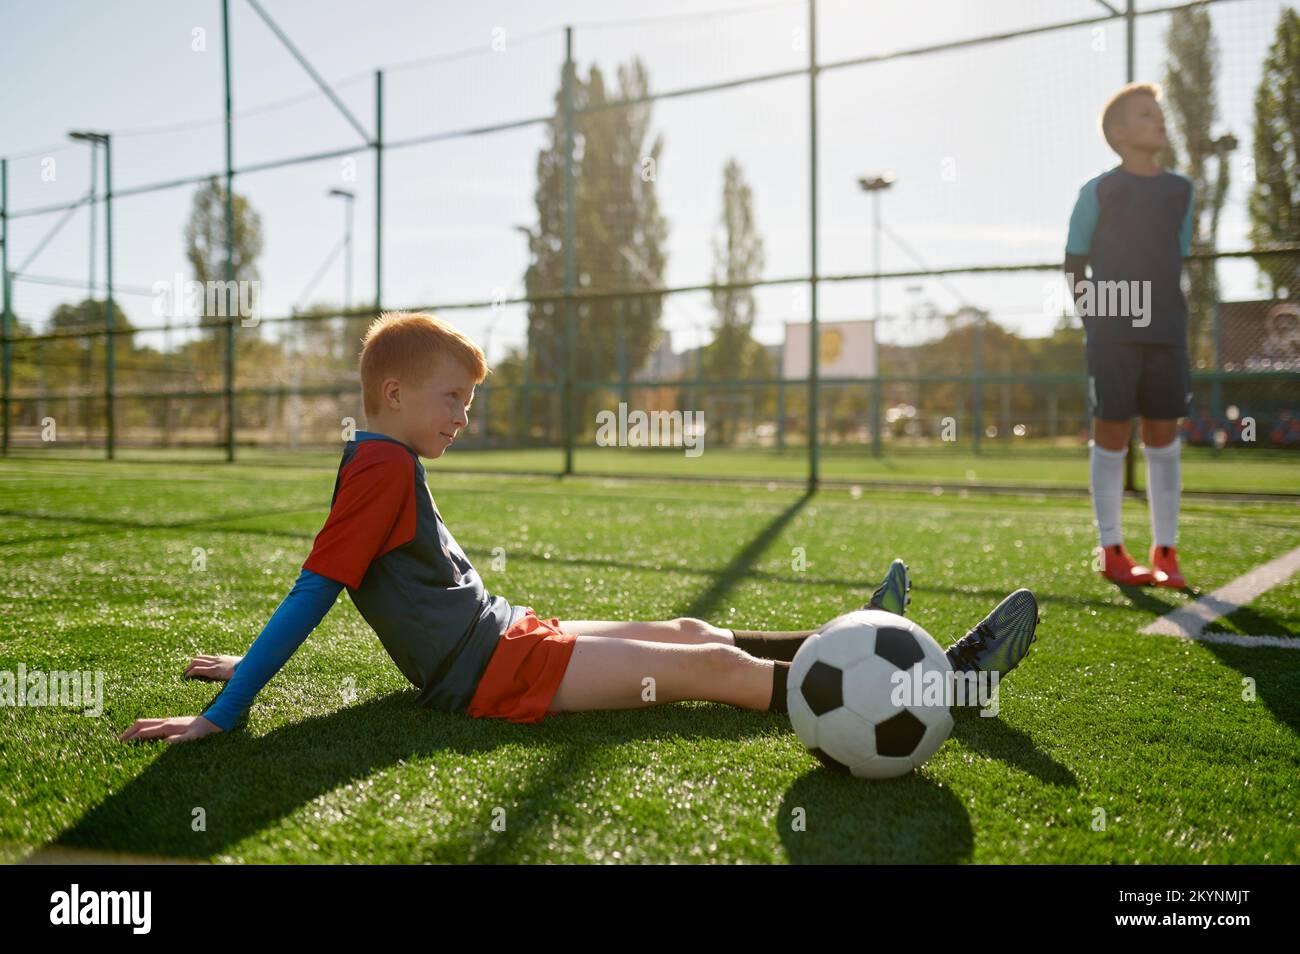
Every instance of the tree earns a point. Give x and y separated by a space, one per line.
205 239
1190 91
1274 202
737 258
619 235
79 364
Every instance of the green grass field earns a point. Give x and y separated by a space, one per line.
96 573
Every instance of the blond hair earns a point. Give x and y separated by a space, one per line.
1113 112
405 345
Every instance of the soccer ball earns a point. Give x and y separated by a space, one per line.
839 693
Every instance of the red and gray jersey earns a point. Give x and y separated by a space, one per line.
386 542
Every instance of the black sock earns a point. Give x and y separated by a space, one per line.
771 645
780 672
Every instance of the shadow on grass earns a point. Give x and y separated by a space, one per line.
908 820
247 785
109 525
1276 670
1249 621
1143 599
709 603
994 738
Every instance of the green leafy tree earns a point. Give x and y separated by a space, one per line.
1274 202
1192 98
205 239
619 233
737 257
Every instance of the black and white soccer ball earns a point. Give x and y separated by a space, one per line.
841 698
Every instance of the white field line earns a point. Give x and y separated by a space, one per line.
1189 621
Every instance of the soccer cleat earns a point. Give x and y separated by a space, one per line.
894 592
1119 567
1164 568
1000 640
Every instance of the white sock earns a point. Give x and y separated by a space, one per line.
1106 479
1164 484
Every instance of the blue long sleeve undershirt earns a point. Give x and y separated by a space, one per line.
299 613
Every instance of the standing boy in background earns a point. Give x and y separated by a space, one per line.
1133 225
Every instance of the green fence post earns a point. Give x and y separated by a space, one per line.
379 191
622 354
1130 68
110 324
570 254
780 399
525 424
977 394
4 295
229 388
1216 385
877 418
814 342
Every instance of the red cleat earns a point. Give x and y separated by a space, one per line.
1119 567
1164 566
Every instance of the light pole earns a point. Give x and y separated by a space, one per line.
874 185
106 141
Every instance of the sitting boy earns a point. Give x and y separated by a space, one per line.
467 650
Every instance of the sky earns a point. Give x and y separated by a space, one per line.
989 144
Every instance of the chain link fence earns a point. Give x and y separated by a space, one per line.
590 275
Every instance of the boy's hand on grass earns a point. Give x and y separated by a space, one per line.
212 667
179 729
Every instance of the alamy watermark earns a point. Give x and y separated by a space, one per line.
131 908
947 688
194 299
1102 299
57 687
651 429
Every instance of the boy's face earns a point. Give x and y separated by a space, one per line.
434 412
1143 126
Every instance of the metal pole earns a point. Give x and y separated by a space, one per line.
780 400
94 182
877 390
977 412
347 268
622 353
4 294
1130 61
1216 387
814 338
109 324
570 264
379 191
230 236
525 424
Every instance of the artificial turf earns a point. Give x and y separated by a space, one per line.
100 570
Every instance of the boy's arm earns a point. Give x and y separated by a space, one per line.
1078 244
1185 233
373 512
299 613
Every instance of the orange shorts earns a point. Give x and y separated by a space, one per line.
524 672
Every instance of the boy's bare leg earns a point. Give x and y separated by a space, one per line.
689 631
683 630
612 673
